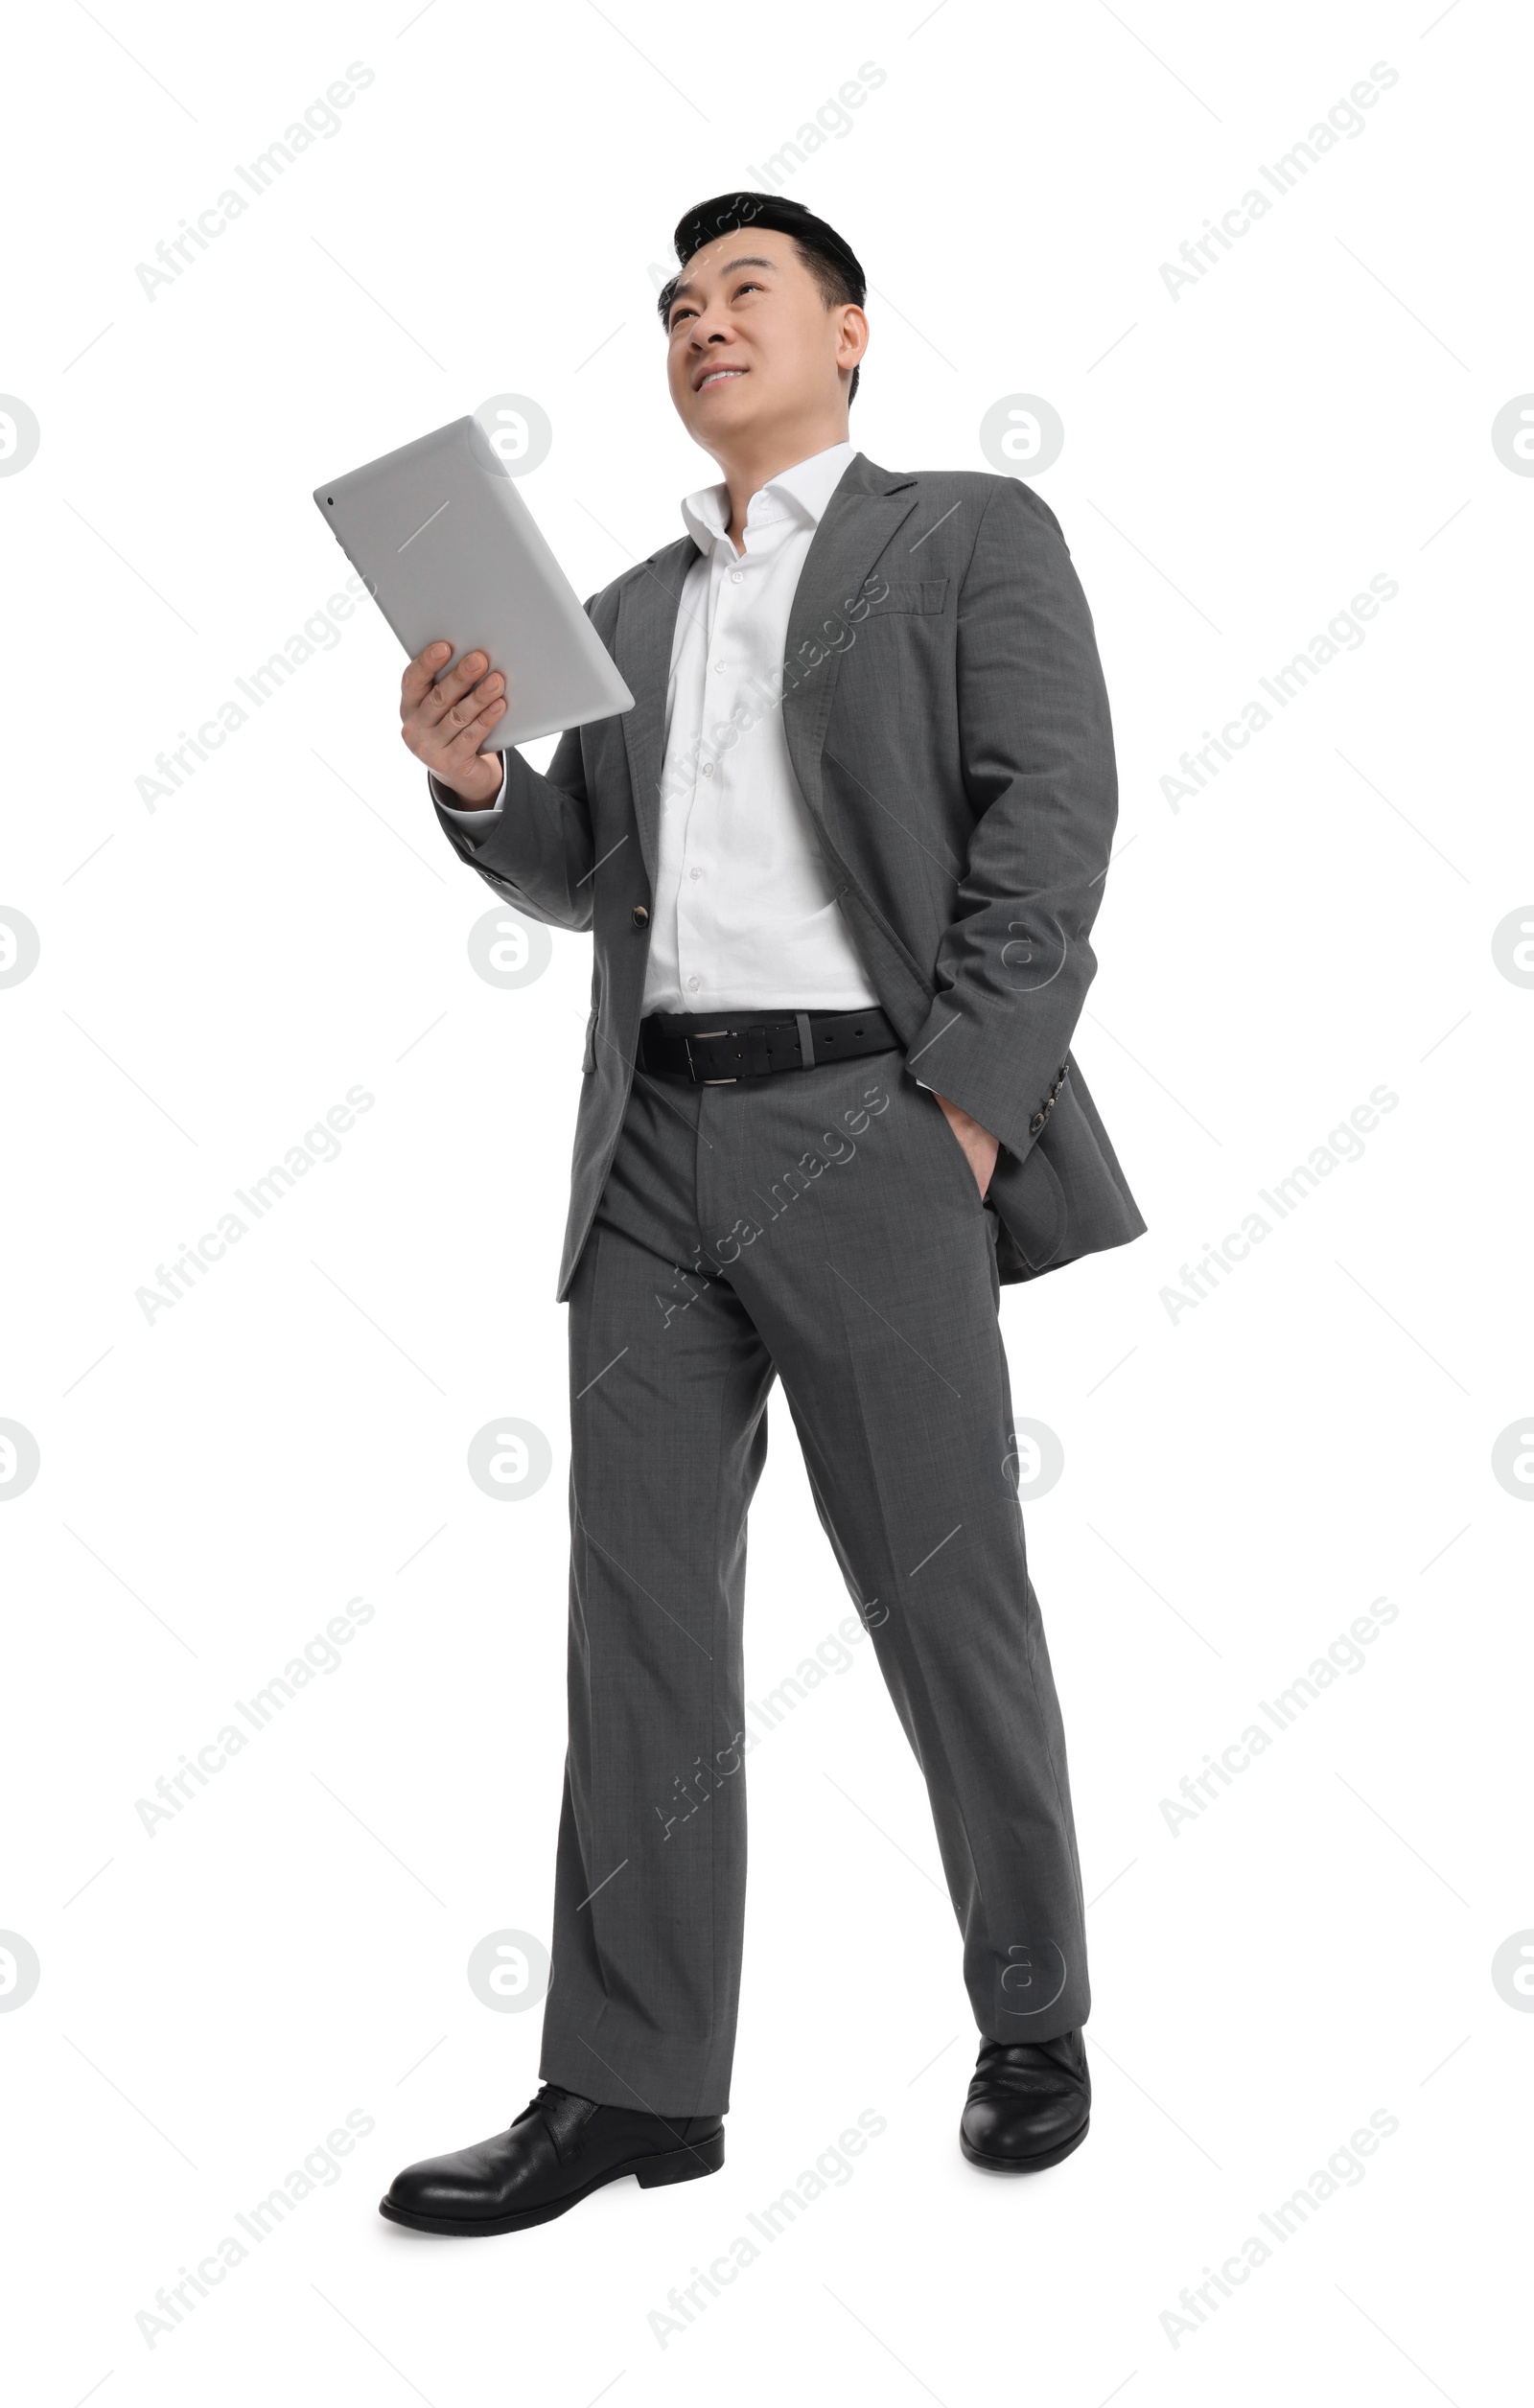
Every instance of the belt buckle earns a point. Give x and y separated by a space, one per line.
691 1068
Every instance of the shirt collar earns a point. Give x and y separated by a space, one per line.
804 490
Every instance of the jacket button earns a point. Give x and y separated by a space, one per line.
1035 1124
640 916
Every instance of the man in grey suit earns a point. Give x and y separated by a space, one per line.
841 863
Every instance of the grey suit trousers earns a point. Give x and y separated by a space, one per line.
824 1227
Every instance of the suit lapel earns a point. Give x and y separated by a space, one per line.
646 625
860 520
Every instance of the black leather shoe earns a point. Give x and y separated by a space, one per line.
1030 2104
560 2149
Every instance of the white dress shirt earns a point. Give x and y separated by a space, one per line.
744 917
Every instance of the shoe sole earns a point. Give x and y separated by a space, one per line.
651 2174
1025 2165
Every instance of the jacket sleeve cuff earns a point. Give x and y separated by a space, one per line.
957 1058
471 819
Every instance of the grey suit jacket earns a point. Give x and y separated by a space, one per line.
949 725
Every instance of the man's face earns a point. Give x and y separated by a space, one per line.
752 341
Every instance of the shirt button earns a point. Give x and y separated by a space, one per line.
694 874
737 576
719 668
693 985
707 769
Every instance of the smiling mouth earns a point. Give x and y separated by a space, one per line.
716 376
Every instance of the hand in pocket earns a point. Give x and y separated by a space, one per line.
979 1145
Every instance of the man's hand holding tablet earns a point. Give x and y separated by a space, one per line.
444 725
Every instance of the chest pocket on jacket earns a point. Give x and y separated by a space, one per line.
926 596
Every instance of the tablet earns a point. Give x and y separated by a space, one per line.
448 548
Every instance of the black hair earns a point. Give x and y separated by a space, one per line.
831 262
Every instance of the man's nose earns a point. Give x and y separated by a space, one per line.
708 329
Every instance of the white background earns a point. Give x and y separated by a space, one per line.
1239 1482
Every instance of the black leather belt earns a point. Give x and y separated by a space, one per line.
715 1049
